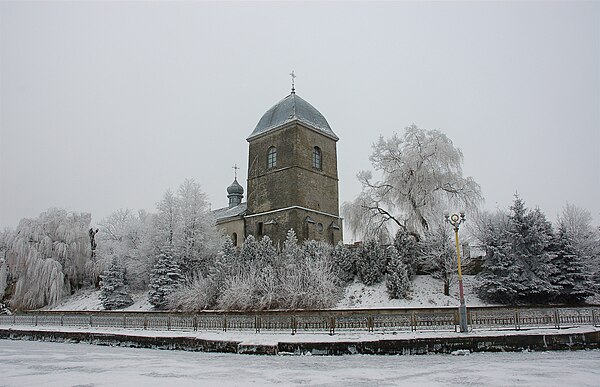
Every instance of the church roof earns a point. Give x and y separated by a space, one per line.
224 213
293 108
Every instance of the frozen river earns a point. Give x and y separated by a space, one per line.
25 363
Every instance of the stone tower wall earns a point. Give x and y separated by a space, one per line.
293 183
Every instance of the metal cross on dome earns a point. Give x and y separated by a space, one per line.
293 83
235 168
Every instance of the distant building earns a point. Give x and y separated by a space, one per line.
292 178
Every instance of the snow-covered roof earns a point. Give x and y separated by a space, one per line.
292 108
226 212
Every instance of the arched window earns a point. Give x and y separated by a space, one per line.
317 158
234 239
272 158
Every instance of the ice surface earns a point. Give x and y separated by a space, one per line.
24 363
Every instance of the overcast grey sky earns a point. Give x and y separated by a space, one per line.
105 105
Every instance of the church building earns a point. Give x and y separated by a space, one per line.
292 178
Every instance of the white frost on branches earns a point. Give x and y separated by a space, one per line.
420 177
185 223
47 257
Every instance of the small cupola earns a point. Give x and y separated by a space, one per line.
235 193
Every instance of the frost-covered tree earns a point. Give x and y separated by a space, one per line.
5 241
184 222
125 235
223 266
249 250
47 257
199 239
439 255
165 279
576 223
420 177
343 260
166 221
371 262
397 280
114 291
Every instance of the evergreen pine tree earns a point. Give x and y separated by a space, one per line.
114 292
500 280
249 250
343 261
571 278
397 279
408 249
518 267
371 262
537 259
165 278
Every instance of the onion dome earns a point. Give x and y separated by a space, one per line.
235 188
235 193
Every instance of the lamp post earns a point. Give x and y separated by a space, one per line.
455 220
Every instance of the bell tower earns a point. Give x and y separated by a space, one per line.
292 174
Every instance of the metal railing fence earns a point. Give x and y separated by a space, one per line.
331 321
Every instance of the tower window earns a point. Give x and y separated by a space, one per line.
260 228
272 158
317 158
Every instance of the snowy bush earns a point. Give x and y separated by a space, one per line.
298 276
197 295
114 292
239 291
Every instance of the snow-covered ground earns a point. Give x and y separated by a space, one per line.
426 292
87 299
24 363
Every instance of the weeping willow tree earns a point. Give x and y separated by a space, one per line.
419 177
47 257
